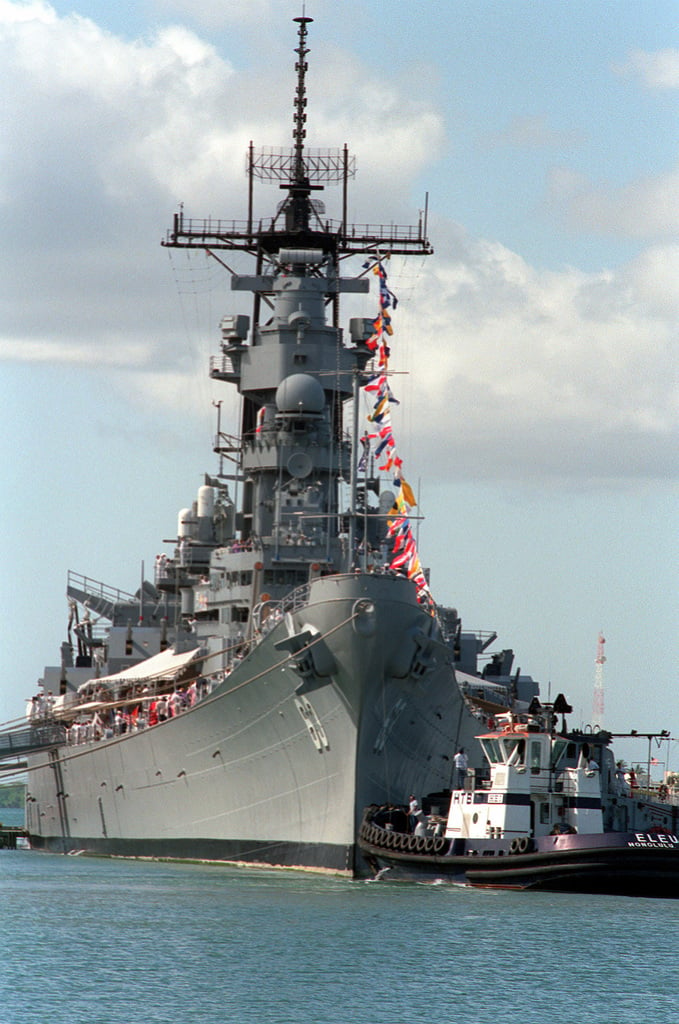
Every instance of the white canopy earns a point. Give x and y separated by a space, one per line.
166 665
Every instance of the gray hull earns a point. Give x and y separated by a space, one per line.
277 764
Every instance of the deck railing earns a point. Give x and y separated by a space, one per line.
16 742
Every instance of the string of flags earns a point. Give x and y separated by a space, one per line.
379 439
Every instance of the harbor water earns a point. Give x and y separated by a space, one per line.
97 941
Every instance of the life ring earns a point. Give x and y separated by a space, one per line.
514 846
523 844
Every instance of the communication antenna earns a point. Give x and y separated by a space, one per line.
598 701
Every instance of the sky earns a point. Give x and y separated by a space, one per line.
536 350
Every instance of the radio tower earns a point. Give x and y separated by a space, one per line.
598 701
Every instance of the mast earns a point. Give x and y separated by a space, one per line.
290 360
598 699
300 171
297 215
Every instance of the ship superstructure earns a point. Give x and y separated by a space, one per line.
288 665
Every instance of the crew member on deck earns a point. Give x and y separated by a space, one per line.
461 762
414 813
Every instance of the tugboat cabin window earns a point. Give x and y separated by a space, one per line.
535 750
493 751
558 751
516 750
508 750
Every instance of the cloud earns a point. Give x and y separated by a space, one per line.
531 373
104 138
92 110
520 371
532 131
658 70
114 352
646 208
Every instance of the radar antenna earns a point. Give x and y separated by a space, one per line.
299 221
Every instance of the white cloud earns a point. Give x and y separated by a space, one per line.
90 108
13 13
520 371
658 70
646 208
113 352
528 372
104 137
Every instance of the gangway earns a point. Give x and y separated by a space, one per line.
21 741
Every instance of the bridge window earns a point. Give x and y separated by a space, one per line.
558 751
516 750
493 751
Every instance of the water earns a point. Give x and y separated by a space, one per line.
95 941
12 816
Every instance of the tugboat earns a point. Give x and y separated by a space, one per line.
288 662
543 819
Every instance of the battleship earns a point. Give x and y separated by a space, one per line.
287 665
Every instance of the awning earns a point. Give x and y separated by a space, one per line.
164 666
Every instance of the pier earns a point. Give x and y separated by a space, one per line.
10 835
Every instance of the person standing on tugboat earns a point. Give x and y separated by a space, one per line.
461 763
